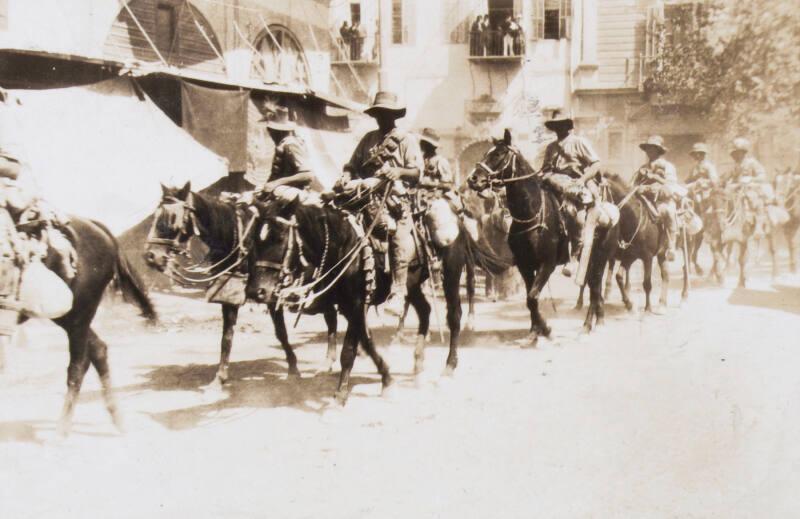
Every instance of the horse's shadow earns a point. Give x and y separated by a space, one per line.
785 298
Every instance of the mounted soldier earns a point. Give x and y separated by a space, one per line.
704 175
657 180
392 154
568 167
747 170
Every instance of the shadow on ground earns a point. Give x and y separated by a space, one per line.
783 298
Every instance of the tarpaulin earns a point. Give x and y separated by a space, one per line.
101 151
218 120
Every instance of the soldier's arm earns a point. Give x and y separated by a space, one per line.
411 162
589 160
297 156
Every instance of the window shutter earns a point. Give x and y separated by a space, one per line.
565 19
409 22
538 20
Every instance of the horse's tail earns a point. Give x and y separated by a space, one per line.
128 281
481 255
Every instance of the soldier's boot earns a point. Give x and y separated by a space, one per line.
395 303
574 226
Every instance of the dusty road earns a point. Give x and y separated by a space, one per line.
695 413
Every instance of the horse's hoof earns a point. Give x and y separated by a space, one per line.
547 332
600 322
449 371
531 341
470 325
699 270
294 373
629 306
341 397
586 329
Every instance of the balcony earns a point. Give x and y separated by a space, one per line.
496 46
355 51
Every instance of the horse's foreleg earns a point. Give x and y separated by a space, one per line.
771 248
579 302
539 281
685 251
451 282
369 346
743 252
348 356
423 309
788 232
527 277
647 282
98 355
230 314
470 296
609 275
663 267
620 275
78 365
280 332
332 323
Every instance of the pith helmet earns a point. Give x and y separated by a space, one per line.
430 136
654 142
740 144
386 102
699 147
279 120
559 122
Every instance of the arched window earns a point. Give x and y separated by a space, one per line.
280 57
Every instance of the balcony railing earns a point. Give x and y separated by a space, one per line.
496 44
355 50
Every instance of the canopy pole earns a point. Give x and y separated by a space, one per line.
252 49
205 36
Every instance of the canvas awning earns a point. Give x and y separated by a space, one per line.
101 151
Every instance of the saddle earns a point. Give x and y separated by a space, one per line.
652 210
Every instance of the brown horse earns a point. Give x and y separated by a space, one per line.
791 199
182 214
99 261
641 237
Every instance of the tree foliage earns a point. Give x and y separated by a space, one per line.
737 61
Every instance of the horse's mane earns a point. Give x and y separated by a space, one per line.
616 179
311 216
219 219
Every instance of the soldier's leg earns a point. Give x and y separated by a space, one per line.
402 251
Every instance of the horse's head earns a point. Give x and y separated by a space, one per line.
173 225
271 253
496 167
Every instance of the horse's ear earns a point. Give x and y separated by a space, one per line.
507 137
183 193
164 189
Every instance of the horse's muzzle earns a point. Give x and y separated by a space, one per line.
156 259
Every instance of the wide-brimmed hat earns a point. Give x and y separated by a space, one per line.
387 102
279 120
699 147
740 144
9 164
559 122
654 141
430 136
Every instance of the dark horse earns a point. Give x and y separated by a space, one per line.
535 237
182 214
641 237
99 261
317 226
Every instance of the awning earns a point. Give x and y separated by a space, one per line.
101 151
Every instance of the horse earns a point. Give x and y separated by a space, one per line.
99 262
535 237
317 225
182 214
738 206
641 237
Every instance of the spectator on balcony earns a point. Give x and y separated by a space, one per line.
508 36
357 36
361 37
487 43
475 35
344 35
519 36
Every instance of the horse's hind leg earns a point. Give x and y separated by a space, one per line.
423 309
539 281
452 280
78 365
470 297
230 314
332 322
98 355
663 268
607 289
620 275
579 302
771 248
647 283
743 251
348 356
280 332
788 232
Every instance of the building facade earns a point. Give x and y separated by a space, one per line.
587 58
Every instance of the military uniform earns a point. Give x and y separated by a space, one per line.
658 179
291 158
437 168
395 149
704 170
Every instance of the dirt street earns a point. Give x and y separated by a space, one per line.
694 413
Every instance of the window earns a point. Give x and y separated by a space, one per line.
166 27
355 13
398 34
280 57
552 19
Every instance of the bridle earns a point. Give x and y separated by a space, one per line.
188 227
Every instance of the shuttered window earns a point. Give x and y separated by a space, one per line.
398 30
552 19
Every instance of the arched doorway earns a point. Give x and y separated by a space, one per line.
177 29
470 155
280 57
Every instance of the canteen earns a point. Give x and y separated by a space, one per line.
694 224
42 293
